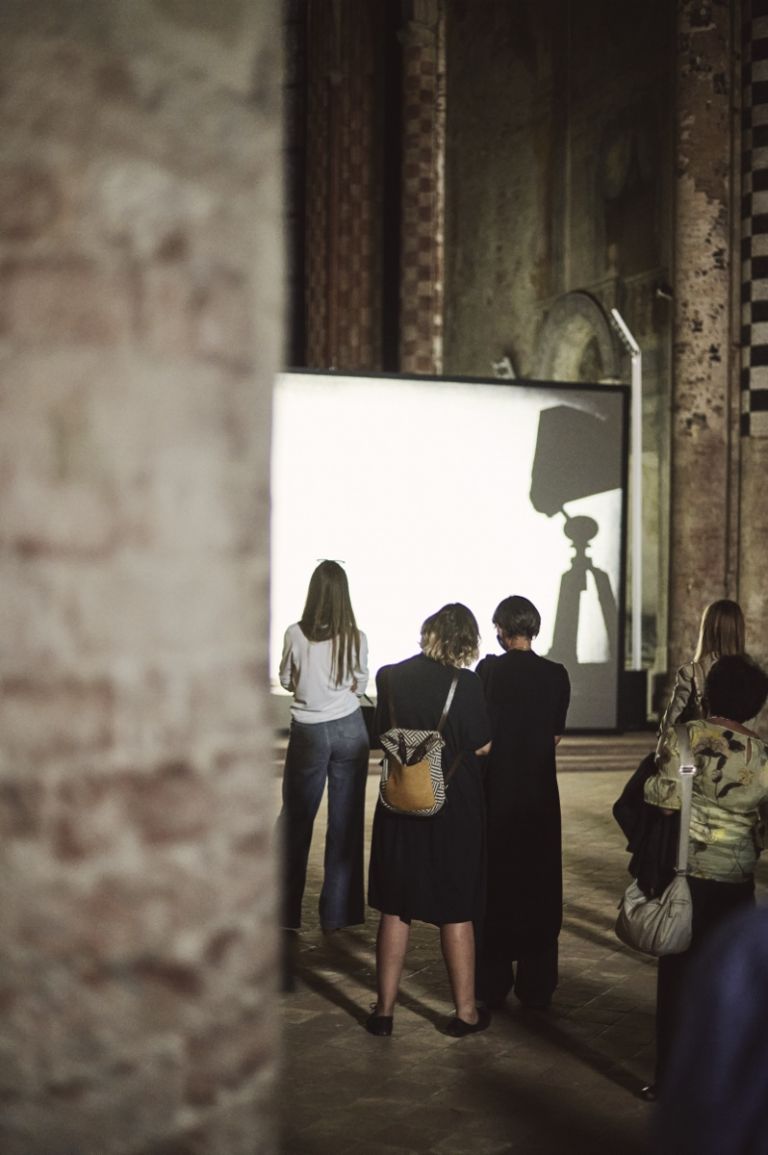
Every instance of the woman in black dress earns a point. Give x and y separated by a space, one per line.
431 869
527 700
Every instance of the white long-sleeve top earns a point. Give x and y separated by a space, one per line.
306 670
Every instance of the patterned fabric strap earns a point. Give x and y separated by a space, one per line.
687 773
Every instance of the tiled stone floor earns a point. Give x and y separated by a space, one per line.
563 1082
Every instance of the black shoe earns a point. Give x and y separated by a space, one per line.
529 1005
648 1093
379 1025
458 1029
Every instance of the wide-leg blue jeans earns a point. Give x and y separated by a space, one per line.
335 751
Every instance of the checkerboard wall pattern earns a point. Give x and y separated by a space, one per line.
422 261
754 219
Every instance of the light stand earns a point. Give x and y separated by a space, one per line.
636 474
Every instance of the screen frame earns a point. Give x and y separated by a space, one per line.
623 392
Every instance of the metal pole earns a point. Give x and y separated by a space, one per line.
636 483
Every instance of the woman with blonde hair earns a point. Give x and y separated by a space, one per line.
721 633
324 663
728 813
432 868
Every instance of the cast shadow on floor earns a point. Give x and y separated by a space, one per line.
325 970
320 969
550 1027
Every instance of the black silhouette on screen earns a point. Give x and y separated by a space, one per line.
578 454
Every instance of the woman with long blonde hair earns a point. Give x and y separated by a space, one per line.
721 633
730 796
324 664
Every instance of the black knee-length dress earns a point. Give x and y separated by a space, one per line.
433 869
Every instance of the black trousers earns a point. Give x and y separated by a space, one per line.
532 975
712 902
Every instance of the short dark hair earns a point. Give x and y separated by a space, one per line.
736 687
517 617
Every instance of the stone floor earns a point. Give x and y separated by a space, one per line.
563 1082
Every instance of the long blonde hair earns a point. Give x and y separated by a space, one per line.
721 631
328 615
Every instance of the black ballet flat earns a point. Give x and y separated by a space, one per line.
380 1025
459 1029
648 1093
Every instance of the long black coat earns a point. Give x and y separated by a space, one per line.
527 698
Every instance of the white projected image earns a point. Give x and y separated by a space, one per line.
421 488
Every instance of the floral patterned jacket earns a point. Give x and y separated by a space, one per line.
687 692
730 798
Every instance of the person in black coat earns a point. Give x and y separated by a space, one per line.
527 698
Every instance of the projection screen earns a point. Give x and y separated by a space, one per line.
432 491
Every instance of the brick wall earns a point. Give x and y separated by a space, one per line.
704 429
343 196
139 330
421 285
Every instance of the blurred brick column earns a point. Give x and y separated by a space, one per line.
343 191
704 432
140 315
422 263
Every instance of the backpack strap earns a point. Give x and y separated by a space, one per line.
446 707
455 764
453 768
391 703
448 701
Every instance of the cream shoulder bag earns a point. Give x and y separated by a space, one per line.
659 926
